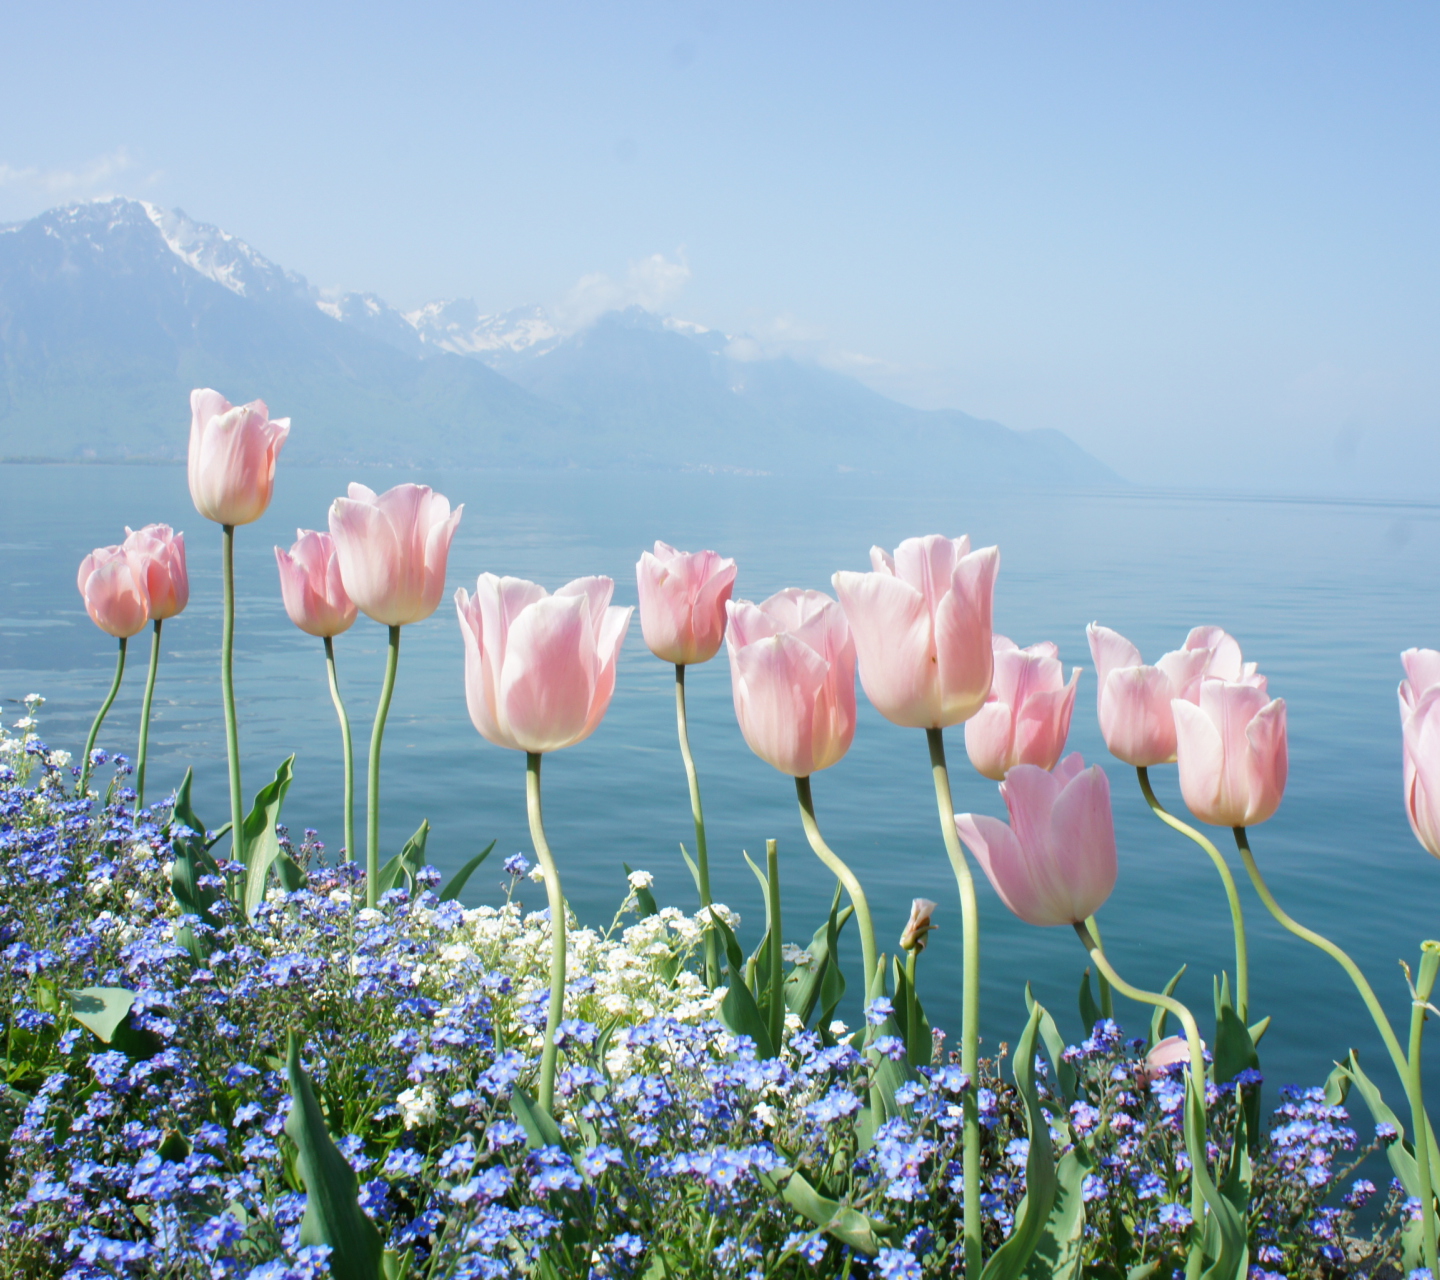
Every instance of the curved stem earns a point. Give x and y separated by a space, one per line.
1367 993
99 718
1107 999
970 982
145 717
1197 1083
848 878
349 751
1232 894
557 929
702 857
227 696
372 793
1429 966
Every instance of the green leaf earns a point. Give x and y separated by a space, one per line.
539 1125
1059 1251
738 1010
1337 1087
1234 1051
805 985
456 883
694 869
849 1226
1054 1049
1146 1269
1157 1018
407 862
1258 1029
644 899
1012 1258
192 861
332 1212
1089 1010
291 875
1231 1253
101 1009
733 954
259 845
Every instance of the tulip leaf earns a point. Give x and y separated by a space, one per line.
1089 1010
1234 1051
645 903
738 1010
1012 1258
101 1009
192 861
1059 1251
1232 1251
405 863
1054 1049
805 985
849 1226
260 845
1145 1271
332 1210
1337 1086
540 1127
457 882
733 954
1258 1029
292 875
1157 1019
694 869
919 1042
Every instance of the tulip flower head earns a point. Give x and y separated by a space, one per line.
157 555
114 592
792 673
682 602
1420 729
917 929
1055 862
1165 1054
232 457
1232 753
1026 718
539 668
393 549
311 586
921 620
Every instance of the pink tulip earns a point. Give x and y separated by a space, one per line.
392 550
114 593
310 584
792 672
157 555
1223 660
232 457
922 629
1134 699
1232 753
1055 863
539 669
682 602
1026 718
1420 730
1164 1055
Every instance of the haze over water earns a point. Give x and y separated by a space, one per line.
1323 595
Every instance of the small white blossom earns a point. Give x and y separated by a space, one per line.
792 954
417 1106
838 1028
640 879
537 874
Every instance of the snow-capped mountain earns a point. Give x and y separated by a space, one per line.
111 311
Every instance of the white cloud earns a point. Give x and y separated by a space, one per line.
650 283
87 180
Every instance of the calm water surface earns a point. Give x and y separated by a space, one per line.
1322 595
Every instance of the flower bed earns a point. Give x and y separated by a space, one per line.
676 1151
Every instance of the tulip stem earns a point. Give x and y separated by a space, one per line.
970 1009
1367 993
847 877
143 750
349 751
372 793
1202 1186
1429 967
1232 894
99 718
557 929
777 945
227 694
702 857
1107 997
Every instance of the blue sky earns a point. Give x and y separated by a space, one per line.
1200 239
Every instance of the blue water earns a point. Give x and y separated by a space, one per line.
1323 595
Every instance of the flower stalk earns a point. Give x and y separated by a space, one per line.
702 856
348 748
100 718
777 944
970 986
227 694
557 929
372 794
1414 1087
144 746
1232 894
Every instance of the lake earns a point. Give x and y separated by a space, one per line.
1323 595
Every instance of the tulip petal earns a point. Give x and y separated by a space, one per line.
479 681
1083 843
963 651
989 737
1200 752
776 684
544 691
1110 651
1042 725
1267 760
894 641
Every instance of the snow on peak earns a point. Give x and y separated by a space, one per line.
456 325
220 256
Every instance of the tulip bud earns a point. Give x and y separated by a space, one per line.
921 621
232 457
682 602
1232 753
114 593
792 672
157 555
1026 718
311 587
917 928
1164 1055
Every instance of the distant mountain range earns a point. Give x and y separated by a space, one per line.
111 311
